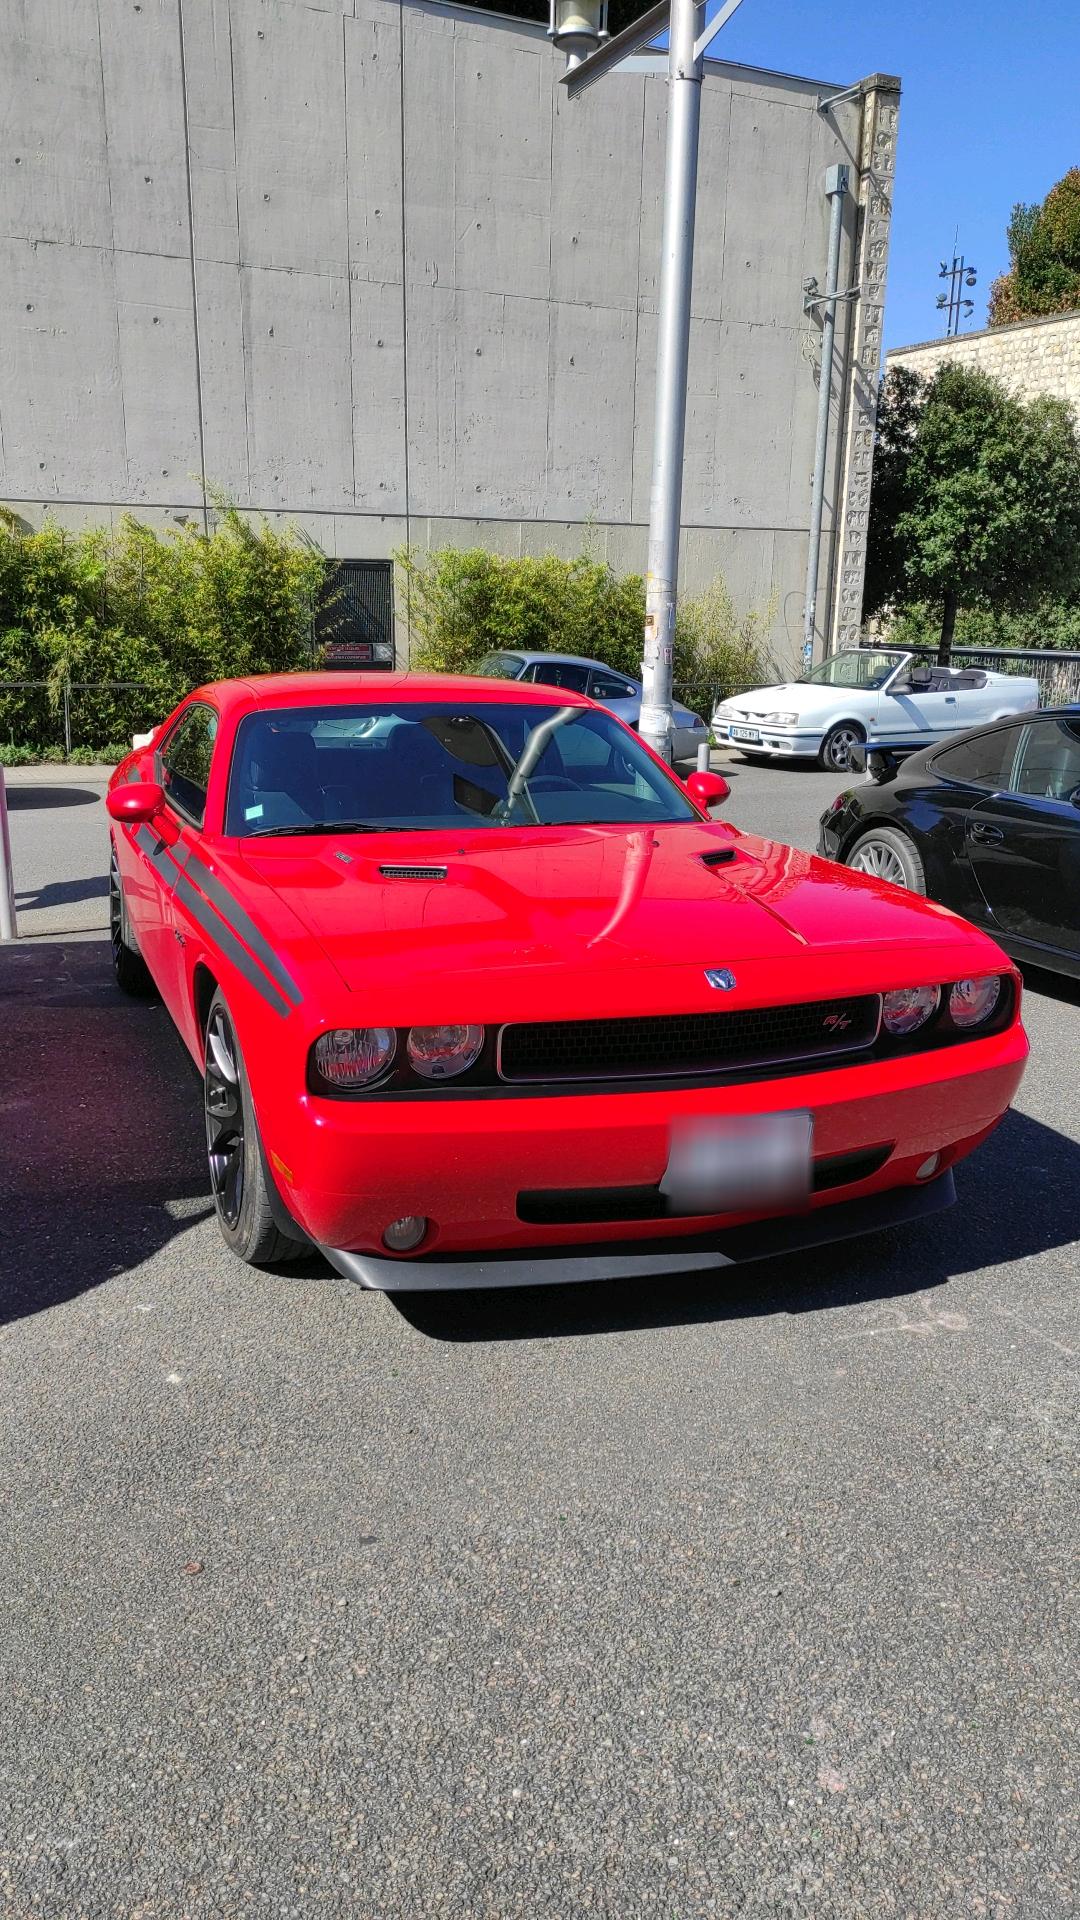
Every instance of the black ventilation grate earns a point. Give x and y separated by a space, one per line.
678 1043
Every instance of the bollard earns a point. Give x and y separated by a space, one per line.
8 928
703 753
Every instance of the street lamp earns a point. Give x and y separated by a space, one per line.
578 27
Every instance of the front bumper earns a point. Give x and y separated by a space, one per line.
355 1166
798 743
737 1246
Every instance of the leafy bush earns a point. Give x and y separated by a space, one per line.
465 603
161 612
1044 255
1054 624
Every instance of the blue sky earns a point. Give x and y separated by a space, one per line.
990 114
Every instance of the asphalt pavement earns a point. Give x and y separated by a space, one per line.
746 1596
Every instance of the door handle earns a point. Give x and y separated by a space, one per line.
978 830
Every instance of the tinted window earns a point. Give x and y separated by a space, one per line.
604 686
560 673
185 761
985 761
1049 760
416 765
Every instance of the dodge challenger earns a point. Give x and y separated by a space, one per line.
481 994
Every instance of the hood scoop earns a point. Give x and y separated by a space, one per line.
390 872
720 857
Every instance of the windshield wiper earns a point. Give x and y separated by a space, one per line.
324 826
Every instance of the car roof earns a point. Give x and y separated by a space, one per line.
335 688
563 660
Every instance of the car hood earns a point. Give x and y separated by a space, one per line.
538 905
789 697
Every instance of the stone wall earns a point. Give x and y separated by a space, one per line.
1033 356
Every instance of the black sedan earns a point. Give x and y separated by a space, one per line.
988 823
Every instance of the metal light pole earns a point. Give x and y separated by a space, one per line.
8 927
688 37
836 186
954 304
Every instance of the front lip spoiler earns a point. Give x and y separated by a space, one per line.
634 1260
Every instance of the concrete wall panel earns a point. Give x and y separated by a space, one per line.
596 164
157 368
765 212
53 175
373 147
502 164
590 423
226 427
144 119
378 397
212 129
61 407
296 342
289 80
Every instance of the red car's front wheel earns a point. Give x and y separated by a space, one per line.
237 1175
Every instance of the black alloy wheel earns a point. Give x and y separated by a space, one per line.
130 970
239 1179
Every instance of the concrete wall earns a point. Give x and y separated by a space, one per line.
1033 356
364 264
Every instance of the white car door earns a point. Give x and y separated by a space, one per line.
908 708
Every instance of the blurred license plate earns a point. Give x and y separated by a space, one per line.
739 1165
745 733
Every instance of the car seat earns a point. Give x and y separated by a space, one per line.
281 782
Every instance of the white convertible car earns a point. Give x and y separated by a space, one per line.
868 696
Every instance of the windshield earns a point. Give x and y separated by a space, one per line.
867 670
427 764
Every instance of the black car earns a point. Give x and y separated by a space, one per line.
987 822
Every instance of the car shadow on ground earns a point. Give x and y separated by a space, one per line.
102 1160
1018 1196
26 797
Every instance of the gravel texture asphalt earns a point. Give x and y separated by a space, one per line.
751 1596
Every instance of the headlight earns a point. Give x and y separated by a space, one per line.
354 1056
909 1008
781 719
971 1002
438 1053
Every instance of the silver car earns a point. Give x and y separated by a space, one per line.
615 691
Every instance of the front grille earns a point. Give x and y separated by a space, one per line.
678 1043
582 1206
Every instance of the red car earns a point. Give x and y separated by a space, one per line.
481 995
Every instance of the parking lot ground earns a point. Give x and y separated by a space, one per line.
747 1596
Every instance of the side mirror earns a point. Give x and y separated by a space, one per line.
136 800
707 789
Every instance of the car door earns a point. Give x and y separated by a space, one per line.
184 761
908 708
1024 843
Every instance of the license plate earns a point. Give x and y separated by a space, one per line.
745 733
739 1165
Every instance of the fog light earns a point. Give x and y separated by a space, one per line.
928 1168
402 1236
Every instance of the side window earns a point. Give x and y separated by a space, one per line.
560 673
185 762
983 762
1048 764
604 686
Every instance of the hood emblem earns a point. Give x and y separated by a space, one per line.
720 977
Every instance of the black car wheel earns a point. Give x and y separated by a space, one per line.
835 754
889 855
238 1178
130 971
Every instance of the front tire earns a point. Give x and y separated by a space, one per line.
835 752
130 971
889 855
238 1179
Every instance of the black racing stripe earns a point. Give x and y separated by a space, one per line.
223 937
240 920
157 853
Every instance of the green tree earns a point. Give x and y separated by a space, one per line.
1044 255
976 500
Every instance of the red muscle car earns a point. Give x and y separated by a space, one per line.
481 995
